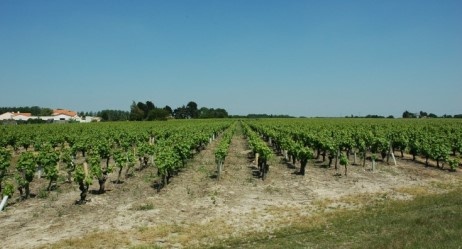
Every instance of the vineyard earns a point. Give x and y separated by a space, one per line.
174 183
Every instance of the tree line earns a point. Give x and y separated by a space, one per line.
139 111
148 111
33 110
422 114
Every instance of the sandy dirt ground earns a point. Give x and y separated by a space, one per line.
196 209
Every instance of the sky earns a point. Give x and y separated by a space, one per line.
295 57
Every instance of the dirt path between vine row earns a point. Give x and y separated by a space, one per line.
196 209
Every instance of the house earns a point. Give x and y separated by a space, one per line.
15 116
21 116
58 112
6 116
58 115
88 119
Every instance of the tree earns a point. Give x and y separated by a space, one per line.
142 106
149 106
192 109
181 113
148 111
220 113
169 110
423 114
157 114
113 115
35 110
407 114
136 113
205 112
46 112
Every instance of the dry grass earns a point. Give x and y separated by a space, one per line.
108 239
414 191
215 231
161 235
433 221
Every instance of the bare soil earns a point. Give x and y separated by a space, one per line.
196 209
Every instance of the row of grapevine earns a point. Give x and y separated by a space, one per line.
260 149
291 149
339 138
88 152
222 149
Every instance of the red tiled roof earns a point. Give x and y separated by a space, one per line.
22 113
64 112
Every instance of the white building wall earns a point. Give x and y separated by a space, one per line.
61 117
6 116
21 117
88 119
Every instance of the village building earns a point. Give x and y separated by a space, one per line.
58 115
15 116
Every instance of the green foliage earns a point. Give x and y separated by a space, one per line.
407 114
256 144
439 150
5 161
130 159
183 150
26 166
415 146
157 114
119 158
79 175
453 163
176 140
113 115
67 157
399 140
94 162
103 148
8 189
205 112
222 149
343 160
305 154
380 144
166 159
33 110
329 144
147 111
48 158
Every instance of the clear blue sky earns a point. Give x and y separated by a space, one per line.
310 58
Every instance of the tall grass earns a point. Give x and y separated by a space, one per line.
433 221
